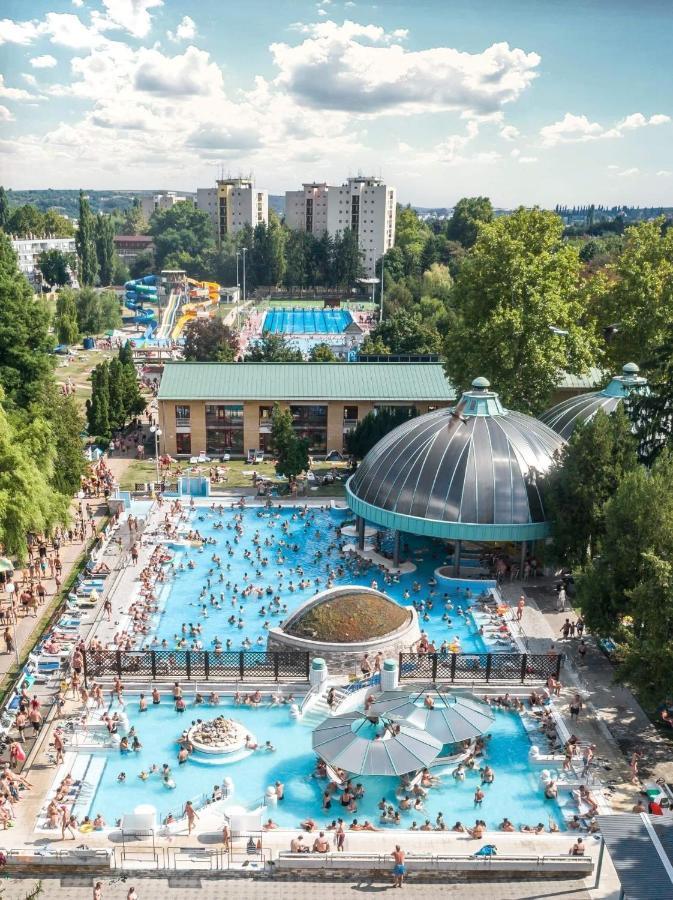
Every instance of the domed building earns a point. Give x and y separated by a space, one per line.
343 623
564 417
467 473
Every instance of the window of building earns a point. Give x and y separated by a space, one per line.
350 414
224 429
310 422
265 414
182 415
183 443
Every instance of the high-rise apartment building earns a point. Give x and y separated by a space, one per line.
159 201
232 204
365 205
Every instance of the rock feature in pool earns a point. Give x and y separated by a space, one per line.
343 623
218 736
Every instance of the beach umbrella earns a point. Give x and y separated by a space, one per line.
6 565
367 745
451 719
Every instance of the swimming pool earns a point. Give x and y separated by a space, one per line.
515 793
275 551
307 321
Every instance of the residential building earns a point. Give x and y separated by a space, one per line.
232 204
130 246
220 408
164 200
364 204
28 251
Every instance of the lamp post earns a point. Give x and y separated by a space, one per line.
156 431
245 250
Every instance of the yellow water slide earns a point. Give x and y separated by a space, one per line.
189 312
210 289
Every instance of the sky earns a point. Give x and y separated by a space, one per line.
524 101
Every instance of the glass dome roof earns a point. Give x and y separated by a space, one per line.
470 472
563 417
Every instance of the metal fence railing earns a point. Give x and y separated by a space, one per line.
479 667
196 665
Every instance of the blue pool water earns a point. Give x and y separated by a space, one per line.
516 792
307 321
289 544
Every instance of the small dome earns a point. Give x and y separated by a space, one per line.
347 615
565 416
470 472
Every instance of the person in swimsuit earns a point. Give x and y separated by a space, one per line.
399 869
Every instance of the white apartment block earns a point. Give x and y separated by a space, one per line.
363 204
159 201
233 204
28 251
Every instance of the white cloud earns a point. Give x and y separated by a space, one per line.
78 3
13 93
5 114
68 30
43 62
12 32
186 31
29 79
360 69
627 173
612 167
664 173
578 129
509 133
132 16
190 74
527 159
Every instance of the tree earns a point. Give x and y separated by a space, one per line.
116 398
273 348
66 423
586 473
28 502
347 259
640 297
375 425
210 340
85 242
298 249
180 229
626 591
54 266
411 236
405 332
651 410
322 353
133 220
97 311
437 282
291 451
65 322
4 208
105 249
517 283
468 215
98 407
25 342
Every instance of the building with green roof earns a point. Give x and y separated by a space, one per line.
219 408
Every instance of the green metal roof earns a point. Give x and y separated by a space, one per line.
379 382
591 379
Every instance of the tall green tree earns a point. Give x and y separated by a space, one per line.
272 348
374 426
210 340
651 409
468 215
25 342
85 242
4 208
67 423
404 332
116 400
97 311
639 300
98 407
587 472
348 266
65 321
322 353
105 249
54 266
520 285
291 451
181 229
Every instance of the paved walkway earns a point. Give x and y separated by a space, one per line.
207 888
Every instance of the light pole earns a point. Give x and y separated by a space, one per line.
238 295
238 283
156 431
245 250
383 261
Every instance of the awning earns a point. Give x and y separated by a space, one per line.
641 850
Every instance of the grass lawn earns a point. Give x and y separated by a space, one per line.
79 369
144 471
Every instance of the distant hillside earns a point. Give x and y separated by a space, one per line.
66 202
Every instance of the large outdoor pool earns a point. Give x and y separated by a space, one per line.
275 552
515 793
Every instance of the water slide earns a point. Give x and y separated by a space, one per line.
170 312
141 290
208 289
189 312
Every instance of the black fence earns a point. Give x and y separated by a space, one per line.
482 667
197 665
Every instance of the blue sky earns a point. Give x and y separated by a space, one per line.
527 101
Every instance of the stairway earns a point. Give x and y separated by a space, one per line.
317 708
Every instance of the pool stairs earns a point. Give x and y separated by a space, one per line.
316 709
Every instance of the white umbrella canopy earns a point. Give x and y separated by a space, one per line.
367 745
451 719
